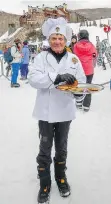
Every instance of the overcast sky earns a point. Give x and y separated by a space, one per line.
19 5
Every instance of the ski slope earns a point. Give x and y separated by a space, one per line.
93 31
89 147
6 37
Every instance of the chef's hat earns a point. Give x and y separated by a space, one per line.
56 26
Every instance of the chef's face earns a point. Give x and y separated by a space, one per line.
57 43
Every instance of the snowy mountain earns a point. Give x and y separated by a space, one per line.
89 146
95 13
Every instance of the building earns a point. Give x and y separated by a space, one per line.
33 18
36 16
76 17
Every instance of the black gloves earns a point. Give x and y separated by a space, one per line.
68 78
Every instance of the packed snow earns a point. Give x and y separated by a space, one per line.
94 31
6 37
13 34
89 146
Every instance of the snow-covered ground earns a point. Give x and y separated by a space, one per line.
4 36
89 148
89 151
94 31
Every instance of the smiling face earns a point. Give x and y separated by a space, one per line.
57 42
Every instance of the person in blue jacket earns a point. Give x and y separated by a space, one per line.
1 52
25 60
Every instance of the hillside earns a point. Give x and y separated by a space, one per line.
95 14
6 19
91 14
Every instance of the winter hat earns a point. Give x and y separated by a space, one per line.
83 34
74 37
25 42
56 26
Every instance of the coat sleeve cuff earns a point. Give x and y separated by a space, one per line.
52 76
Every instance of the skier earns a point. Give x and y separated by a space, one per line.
25 61
73 42
87 53
97 44
17 56
6 60
33 53
106 52
54 109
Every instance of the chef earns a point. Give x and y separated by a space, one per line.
54 109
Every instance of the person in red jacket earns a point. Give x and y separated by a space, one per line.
87 54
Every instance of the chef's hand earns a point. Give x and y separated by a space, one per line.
68 78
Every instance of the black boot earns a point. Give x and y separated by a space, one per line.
61 179
16 85
86 109
45 186
79 106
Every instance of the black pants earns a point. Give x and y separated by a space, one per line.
87 99
48 132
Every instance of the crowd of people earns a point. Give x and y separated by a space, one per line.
18 56
17 59
87 53
21 54
104 52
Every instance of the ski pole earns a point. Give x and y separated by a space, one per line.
110 84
